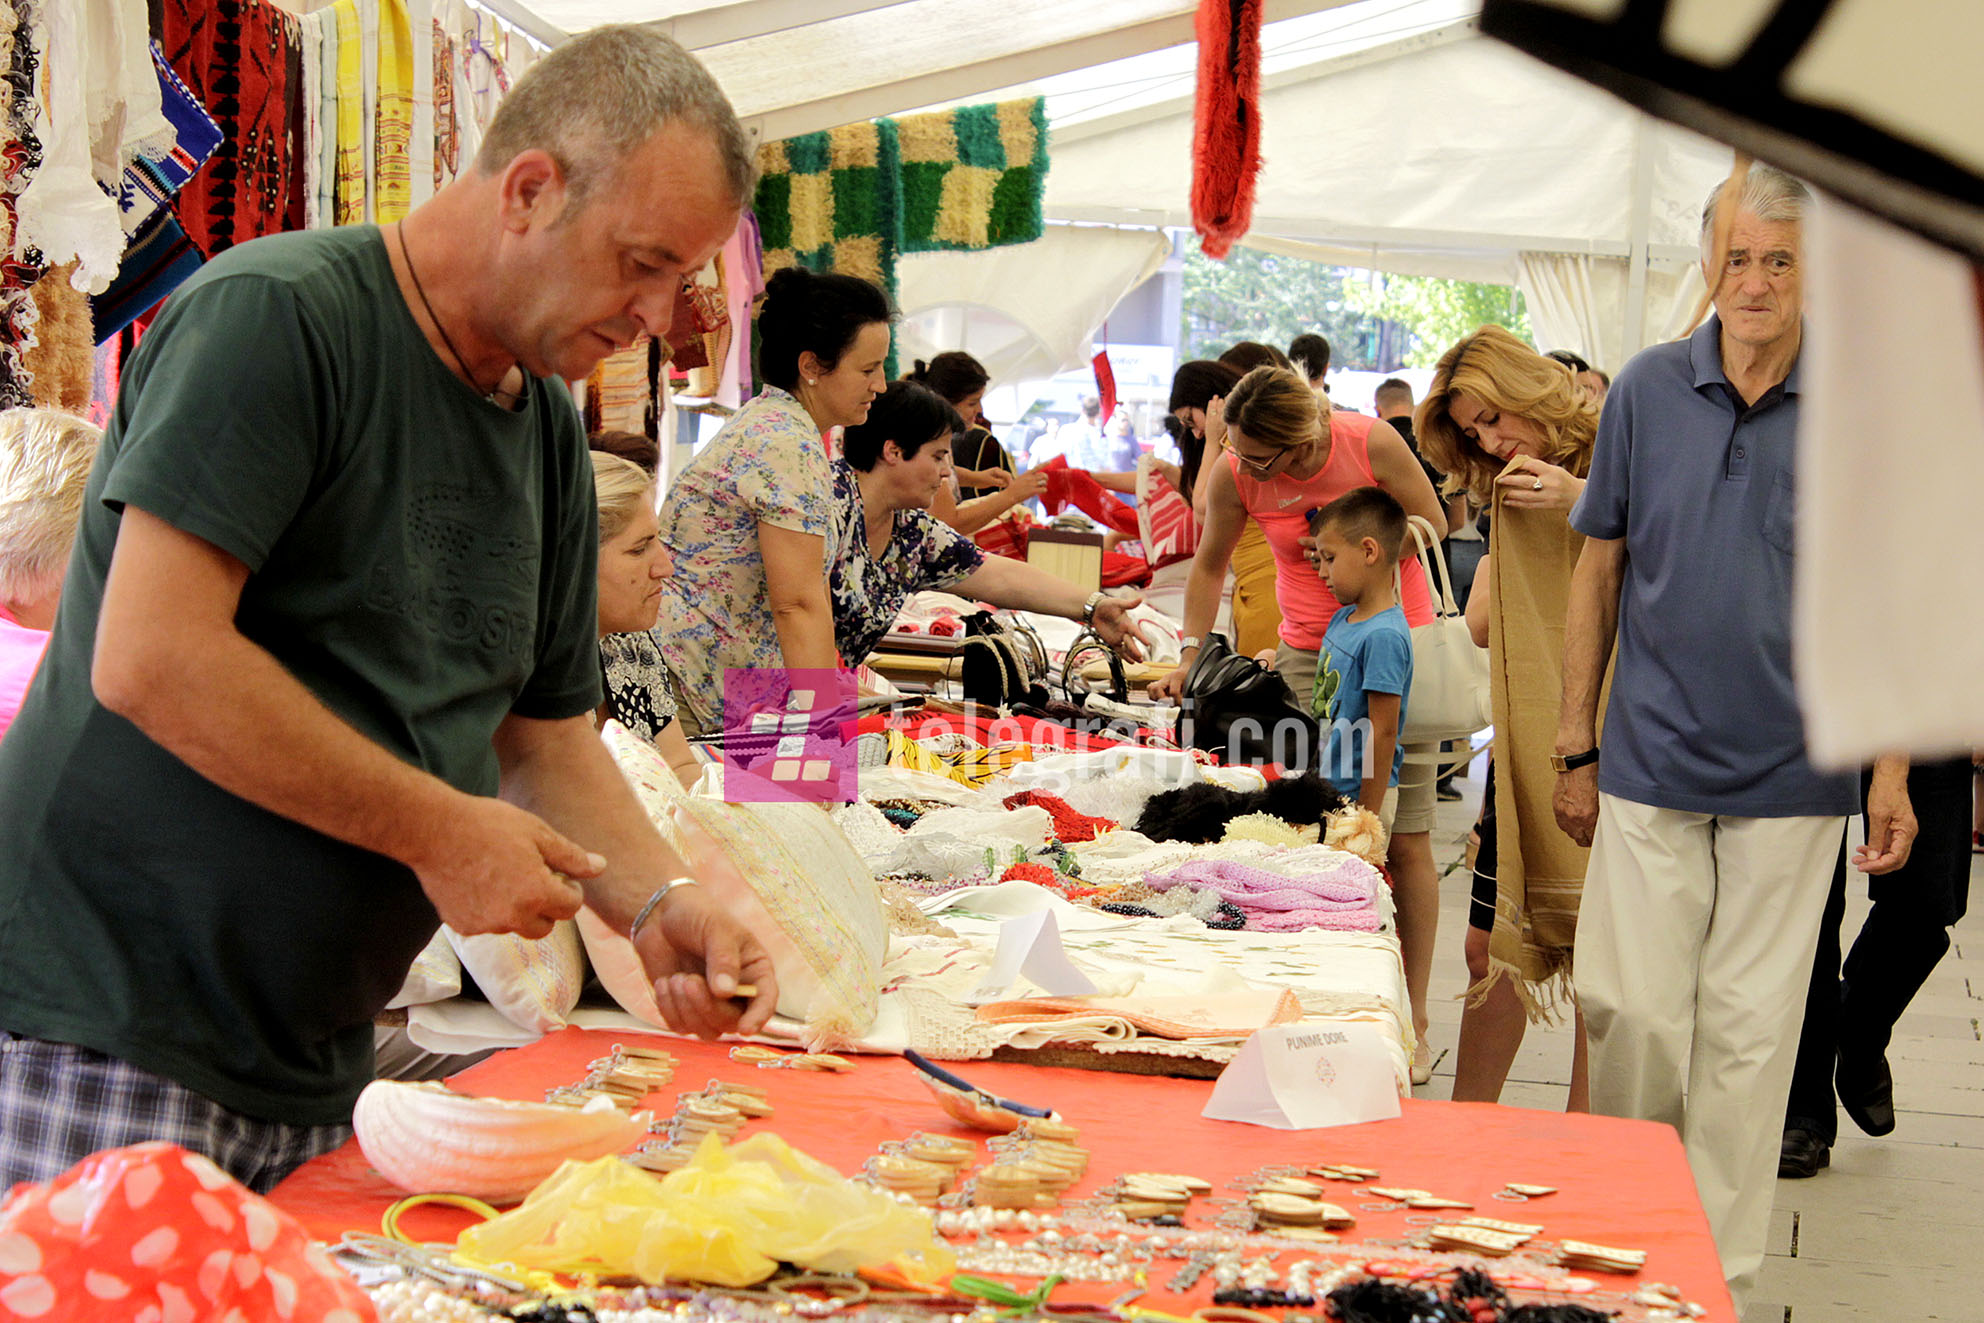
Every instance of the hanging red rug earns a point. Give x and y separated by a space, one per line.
1226 122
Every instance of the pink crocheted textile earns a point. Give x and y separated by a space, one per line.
1339 899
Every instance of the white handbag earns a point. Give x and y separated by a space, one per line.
1450 698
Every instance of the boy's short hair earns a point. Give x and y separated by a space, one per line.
1364 512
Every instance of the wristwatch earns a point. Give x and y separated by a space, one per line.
1190 641
1561 763
1095 599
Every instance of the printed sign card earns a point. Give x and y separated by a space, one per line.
1030 946
1307 1076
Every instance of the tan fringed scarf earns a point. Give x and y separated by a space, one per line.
1539 872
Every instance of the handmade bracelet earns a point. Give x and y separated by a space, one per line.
654 902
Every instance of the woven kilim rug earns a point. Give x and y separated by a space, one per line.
850 199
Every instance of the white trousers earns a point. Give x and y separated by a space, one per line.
1695 942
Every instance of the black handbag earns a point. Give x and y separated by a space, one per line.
999 665
1240 709
1087 647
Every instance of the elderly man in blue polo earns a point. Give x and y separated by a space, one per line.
1713 837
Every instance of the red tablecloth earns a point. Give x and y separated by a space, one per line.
1621 1183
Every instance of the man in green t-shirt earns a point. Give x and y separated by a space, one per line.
326 659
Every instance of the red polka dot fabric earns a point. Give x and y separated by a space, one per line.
155 1234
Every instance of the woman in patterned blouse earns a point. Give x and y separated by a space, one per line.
886 544
750 520
633 565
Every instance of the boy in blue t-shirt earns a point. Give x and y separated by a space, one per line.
1364 668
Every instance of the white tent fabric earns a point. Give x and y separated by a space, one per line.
1888 648
1028 311
1394 135
796 66
1577 302
1445 154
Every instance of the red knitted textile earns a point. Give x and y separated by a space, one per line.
1226 122
1038 874
1069 826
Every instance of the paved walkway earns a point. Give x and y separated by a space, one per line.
1894 1229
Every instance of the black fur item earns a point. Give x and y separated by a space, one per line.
1198 814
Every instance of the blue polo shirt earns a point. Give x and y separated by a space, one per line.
1703 717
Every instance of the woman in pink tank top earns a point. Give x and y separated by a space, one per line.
1279 466
1288 455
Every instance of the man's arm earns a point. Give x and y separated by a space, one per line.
1590 629
1891 824
695 952
170 660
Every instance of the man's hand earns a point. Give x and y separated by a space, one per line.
1575 802
500 869
1891 825
697 954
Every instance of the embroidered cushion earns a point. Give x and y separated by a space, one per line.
435 975
535 984
788 873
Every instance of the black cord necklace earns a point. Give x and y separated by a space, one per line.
446 339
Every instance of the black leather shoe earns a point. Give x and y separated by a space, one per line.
1801 1155
1866 1091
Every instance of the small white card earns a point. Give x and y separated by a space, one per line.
1031 946
1307 1076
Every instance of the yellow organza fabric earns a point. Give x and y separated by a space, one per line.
728 1218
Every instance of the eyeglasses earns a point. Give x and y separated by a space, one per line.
1260 467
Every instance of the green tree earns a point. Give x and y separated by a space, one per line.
1254 295
1434 312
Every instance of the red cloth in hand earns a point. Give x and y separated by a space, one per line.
1002 537
1121 571
1078 487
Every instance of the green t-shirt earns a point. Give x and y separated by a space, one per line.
423 561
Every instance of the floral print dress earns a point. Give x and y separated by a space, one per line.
869 590
767 465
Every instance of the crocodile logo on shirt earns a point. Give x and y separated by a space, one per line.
1328 681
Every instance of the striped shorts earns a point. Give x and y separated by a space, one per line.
59 1103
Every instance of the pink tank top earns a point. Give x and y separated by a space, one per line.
1281 506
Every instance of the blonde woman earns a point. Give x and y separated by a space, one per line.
45 459
633 566
1514 432
1285 456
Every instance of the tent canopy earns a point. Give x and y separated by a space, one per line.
1394 136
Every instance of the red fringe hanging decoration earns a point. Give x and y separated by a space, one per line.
1226 129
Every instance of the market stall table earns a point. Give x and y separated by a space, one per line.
1619 1183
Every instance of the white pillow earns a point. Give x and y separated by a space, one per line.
435 974
792 878
535 984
